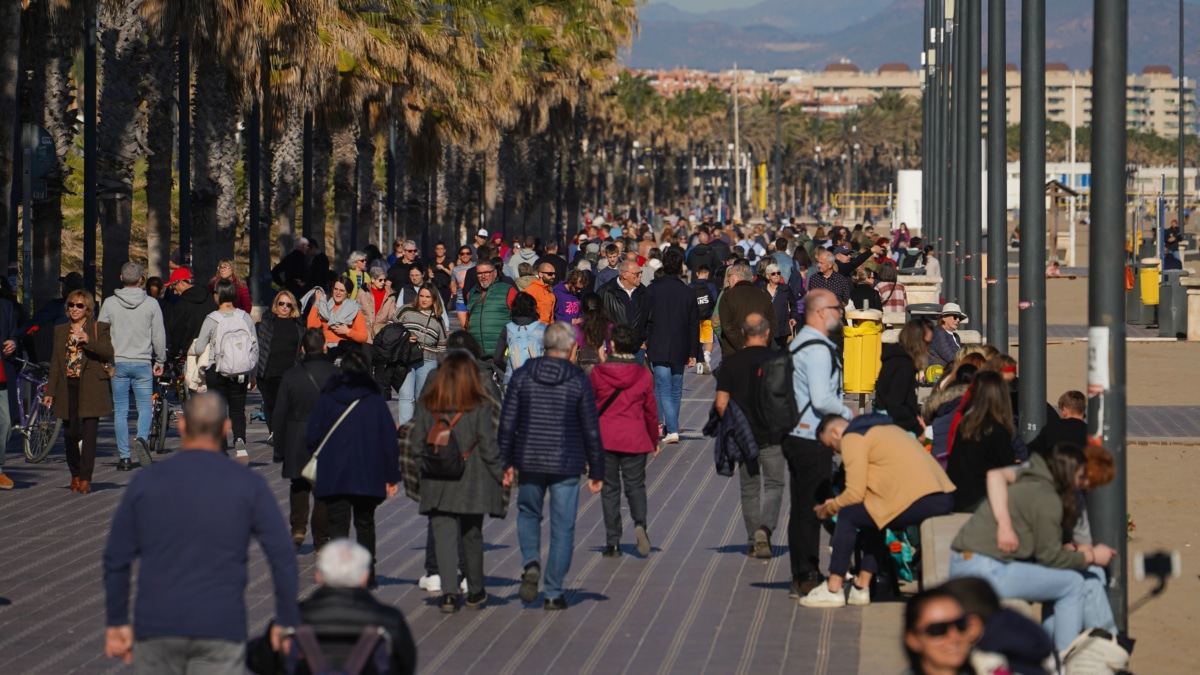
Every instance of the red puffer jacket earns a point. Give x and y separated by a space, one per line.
630 424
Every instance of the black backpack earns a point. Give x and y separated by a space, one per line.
704 299
442 459
774 407
306 656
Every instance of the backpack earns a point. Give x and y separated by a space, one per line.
235 346
910 258
524 343
704 299
371 648
774 405
442 459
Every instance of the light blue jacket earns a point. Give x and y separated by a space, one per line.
812 382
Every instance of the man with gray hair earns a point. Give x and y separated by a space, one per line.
409 258
550 434
339 610
139 350
741 299
626 301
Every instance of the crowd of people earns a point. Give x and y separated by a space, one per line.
554 372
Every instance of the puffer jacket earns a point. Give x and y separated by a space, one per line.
548 422
939 412
735 439
630 424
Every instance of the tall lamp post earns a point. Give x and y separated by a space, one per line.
637 192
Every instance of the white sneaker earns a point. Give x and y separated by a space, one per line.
462 586
241 455
431 583
859 597
821 596
671 438
700 368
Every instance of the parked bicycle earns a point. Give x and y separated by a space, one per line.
38 426
172 380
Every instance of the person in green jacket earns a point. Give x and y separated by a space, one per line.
488 306
1040 569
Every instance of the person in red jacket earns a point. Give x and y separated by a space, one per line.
629 429
226 271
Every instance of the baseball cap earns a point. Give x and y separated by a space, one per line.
180 274
482 233
841 250
582 237
73 281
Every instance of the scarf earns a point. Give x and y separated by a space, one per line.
344 314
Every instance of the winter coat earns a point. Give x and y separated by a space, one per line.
566 304
865 297
524 255
784 304
95 389
377 320
298 394
187 316
674 335
488 312
896 388
735 305
243 294
275 365
544 295
614 296
735 442
943 347
478 491
939 412
548 422
361 457
630 424
702 254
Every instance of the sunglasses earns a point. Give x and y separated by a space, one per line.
548 274
76 305
284 304
410 250
940 628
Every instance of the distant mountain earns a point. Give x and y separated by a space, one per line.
785 34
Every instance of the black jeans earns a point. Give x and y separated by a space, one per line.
234 393
811 466
362 507
856 529
299 494
455 535
630 469
80 435
269 387
431 556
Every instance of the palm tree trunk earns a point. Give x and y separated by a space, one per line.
10 52
322 154
367 194
345 156
573 192
122 63
214 201
160 148
287 150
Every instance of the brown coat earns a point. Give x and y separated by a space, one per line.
376 321
95 390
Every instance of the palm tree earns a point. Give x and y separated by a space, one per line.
160 148
10 53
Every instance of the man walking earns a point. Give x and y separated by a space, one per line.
828 278
550 433
762 478
673 343
626 301
139 350
741 299
190 521
817 384
541 289
488 306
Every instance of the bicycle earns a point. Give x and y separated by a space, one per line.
172 379
38 426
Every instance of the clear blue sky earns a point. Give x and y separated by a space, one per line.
704 5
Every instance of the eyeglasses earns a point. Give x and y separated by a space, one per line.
485 272
284 304
410 250
836 308
940 628
76 305
774 274
551 273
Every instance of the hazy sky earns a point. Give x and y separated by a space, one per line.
703 5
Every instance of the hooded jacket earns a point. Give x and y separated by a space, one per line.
548 423
136 321
187 316
545 297
896 388
630 424
524 255
566 304
360 457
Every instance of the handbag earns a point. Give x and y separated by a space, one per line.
108 367
310 468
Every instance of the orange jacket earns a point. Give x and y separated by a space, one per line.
358 331
545 300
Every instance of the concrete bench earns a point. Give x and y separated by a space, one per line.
936 536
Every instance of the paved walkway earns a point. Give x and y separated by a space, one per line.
696 604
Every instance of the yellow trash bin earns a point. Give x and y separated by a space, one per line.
862 355
1150 277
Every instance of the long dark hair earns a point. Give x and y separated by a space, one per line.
595 321
991 405
1064 461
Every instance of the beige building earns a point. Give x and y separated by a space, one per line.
1152 96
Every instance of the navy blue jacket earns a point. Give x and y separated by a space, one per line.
735 439
361 457
549 423
190 520
674 336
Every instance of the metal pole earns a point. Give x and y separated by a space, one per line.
1032 290
90 157
1182 82
184 155
927 63
1106 292
737 150
997 282
973 223
942 124
307 227
958 144
253 161
779 157
27 219
1071 253
391 188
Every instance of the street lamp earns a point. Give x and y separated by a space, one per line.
729 158
637 194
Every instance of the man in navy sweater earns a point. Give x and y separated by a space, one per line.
190 519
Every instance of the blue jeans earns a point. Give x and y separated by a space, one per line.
564 500
1032 582
141 377
411 389
1097 613
668 393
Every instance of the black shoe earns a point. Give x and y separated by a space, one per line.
449 603
529 582
124 464
477 600
807 582
142 450
372 585
611 552
555 604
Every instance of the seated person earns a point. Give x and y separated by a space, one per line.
891 482
981 440
1067 427
339 610
1039 569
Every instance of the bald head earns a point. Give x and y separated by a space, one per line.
757 330
822 310
205 422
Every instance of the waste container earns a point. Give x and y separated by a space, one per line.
1137 313
1172 305
911 271
928 310
862 351
1150 280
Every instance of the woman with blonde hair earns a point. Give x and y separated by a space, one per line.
279 336
424 319
227 271
79 384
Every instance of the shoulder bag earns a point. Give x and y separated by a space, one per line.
310 469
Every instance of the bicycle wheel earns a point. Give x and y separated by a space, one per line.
41 433
160 425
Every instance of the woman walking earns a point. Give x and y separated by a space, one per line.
340 317
279 337
424 321
378 304
227 272
79 384
456 506
629 429
783 300
352 433
231 351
